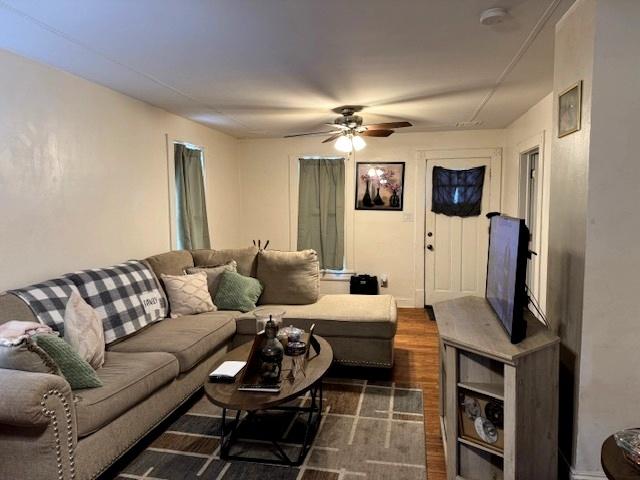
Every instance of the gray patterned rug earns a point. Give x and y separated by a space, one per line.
370 430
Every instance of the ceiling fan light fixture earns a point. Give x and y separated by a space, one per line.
343 144
358 143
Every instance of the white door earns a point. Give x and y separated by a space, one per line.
456 248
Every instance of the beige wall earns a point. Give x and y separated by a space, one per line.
83 174
609 383
567 222
384 242
594 227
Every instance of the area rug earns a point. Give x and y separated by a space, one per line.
369 430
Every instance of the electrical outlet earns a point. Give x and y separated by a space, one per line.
384 281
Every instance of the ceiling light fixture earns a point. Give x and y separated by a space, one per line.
343 144
358 143
348 142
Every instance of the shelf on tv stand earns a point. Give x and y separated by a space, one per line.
476 355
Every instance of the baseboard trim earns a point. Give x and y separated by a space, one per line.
587 475
580 475
405 302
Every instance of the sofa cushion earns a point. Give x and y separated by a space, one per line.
245 257
190 338
290 278
127 378
170 263
369 316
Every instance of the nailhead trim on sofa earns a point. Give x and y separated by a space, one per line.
363 363
56 433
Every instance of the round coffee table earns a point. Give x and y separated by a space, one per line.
228 397
614 464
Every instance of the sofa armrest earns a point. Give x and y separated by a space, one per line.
25 397
38 430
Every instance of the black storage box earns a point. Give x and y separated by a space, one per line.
363 285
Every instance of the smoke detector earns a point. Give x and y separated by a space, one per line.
493 16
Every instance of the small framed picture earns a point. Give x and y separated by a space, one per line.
570 110
379 186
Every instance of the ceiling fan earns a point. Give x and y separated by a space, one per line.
348 129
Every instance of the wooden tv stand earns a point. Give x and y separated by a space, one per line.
476 357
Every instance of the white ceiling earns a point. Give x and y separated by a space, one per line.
264 68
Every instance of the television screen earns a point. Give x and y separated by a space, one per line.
506 273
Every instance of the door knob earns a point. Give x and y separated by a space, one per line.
430 247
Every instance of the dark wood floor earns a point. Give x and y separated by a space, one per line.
416 362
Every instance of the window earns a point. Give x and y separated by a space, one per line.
192 226
321 209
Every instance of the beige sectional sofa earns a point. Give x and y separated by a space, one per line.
48 431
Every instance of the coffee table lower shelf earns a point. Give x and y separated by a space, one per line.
314 416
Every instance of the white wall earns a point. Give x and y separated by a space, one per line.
384 242
83 175
533 128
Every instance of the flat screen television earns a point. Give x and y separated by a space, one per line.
507 272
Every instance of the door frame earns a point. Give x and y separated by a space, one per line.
540 271
422 156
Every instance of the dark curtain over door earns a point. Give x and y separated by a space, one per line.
457 193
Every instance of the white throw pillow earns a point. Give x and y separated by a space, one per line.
188 294
83 330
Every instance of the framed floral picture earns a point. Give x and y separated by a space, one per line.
569 110
379 186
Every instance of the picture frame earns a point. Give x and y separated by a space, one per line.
570 110
380 186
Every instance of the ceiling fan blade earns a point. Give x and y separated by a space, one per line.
337 125
332 137
309 133
385 126
376 133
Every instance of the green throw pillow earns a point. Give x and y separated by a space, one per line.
237 292
74 368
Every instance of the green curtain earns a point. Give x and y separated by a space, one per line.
191 208
321 210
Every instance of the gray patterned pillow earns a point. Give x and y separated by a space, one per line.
214 274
